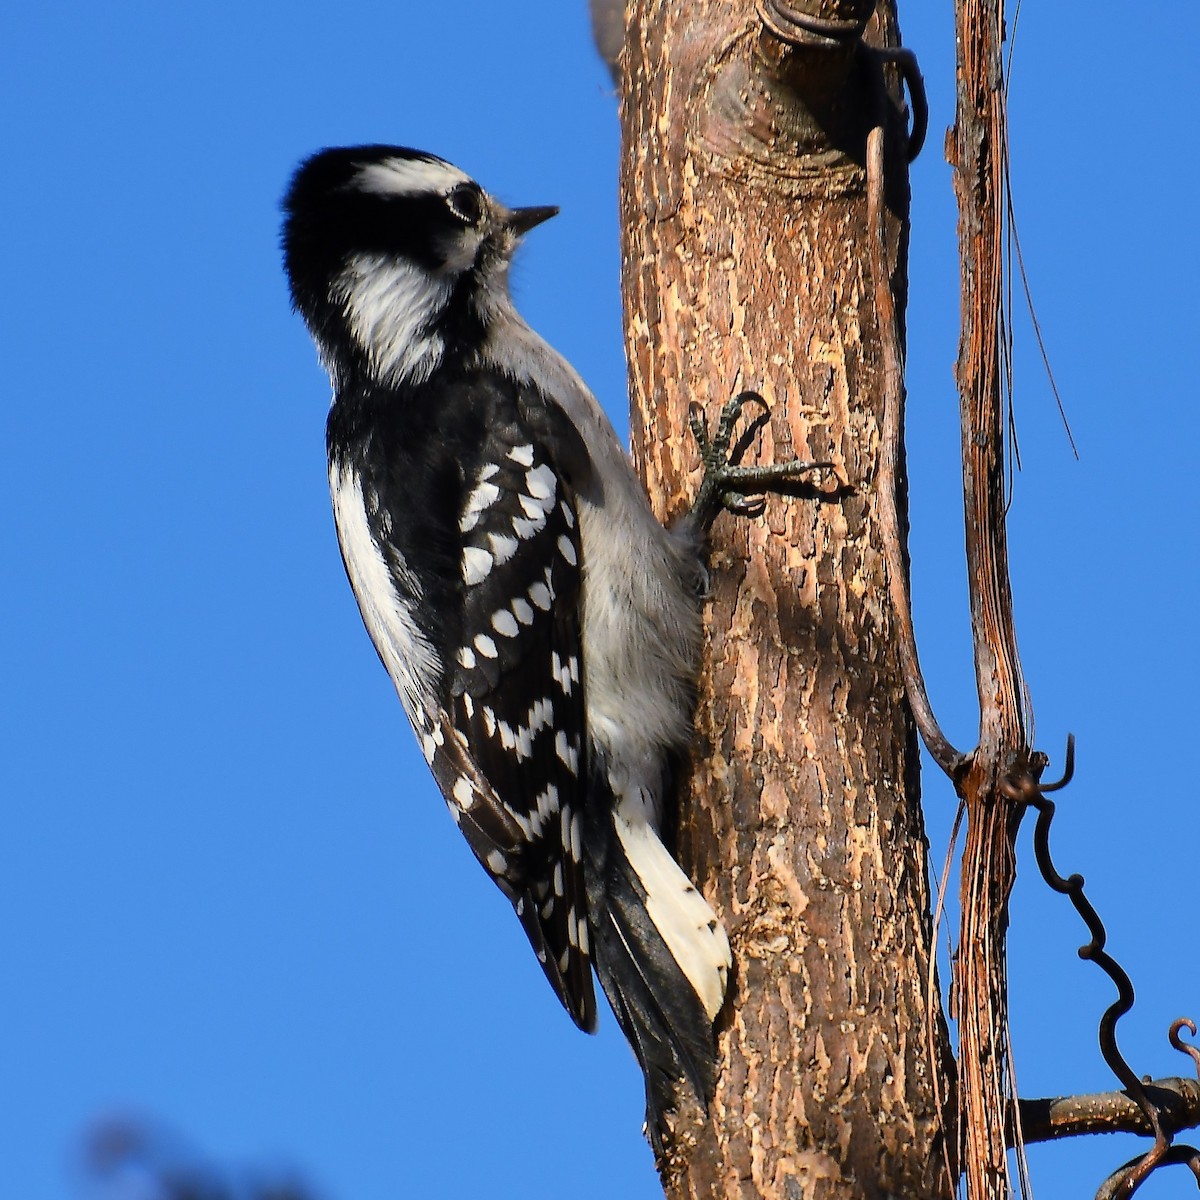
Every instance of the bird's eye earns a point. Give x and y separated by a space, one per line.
466 203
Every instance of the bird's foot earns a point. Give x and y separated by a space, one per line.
726 485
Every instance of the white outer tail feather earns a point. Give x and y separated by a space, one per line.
691 930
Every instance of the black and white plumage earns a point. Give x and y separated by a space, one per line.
542 628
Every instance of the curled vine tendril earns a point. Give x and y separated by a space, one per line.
1127 1179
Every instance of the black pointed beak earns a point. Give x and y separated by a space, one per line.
522 220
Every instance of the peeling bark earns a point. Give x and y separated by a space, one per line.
747 265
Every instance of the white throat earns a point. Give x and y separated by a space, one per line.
390 307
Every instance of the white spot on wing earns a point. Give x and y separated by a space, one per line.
477 563
522 455
547 806
485 645
567 754
541 483
503 547
540 715
526 529
539 593
564 671
524 743
566 549
533 509
522 611
484 495
504 623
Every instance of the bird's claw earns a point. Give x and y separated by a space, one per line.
726 485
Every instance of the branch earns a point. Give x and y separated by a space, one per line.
891 433
1177 1100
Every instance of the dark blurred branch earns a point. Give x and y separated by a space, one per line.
608 32
134 1158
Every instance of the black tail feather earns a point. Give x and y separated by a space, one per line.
658 1010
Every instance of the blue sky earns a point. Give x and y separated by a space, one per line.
229 895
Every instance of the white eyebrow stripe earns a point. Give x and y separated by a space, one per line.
408 176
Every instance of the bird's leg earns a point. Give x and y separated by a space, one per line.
725 484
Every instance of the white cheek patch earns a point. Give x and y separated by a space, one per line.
389 306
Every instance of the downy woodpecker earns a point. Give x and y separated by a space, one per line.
541 627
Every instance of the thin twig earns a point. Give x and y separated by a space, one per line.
931 991
939 746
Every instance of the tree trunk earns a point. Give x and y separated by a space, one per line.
747 265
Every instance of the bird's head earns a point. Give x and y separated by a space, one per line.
395 257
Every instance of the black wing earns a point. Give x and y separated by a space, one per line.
516 699
505 739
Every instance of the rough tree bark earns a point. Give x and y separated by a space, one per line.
747 265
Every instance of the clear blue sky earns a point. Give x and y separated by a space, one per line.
229 894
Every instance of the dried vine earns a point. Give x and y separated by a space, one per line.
1158 1107
1001 777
